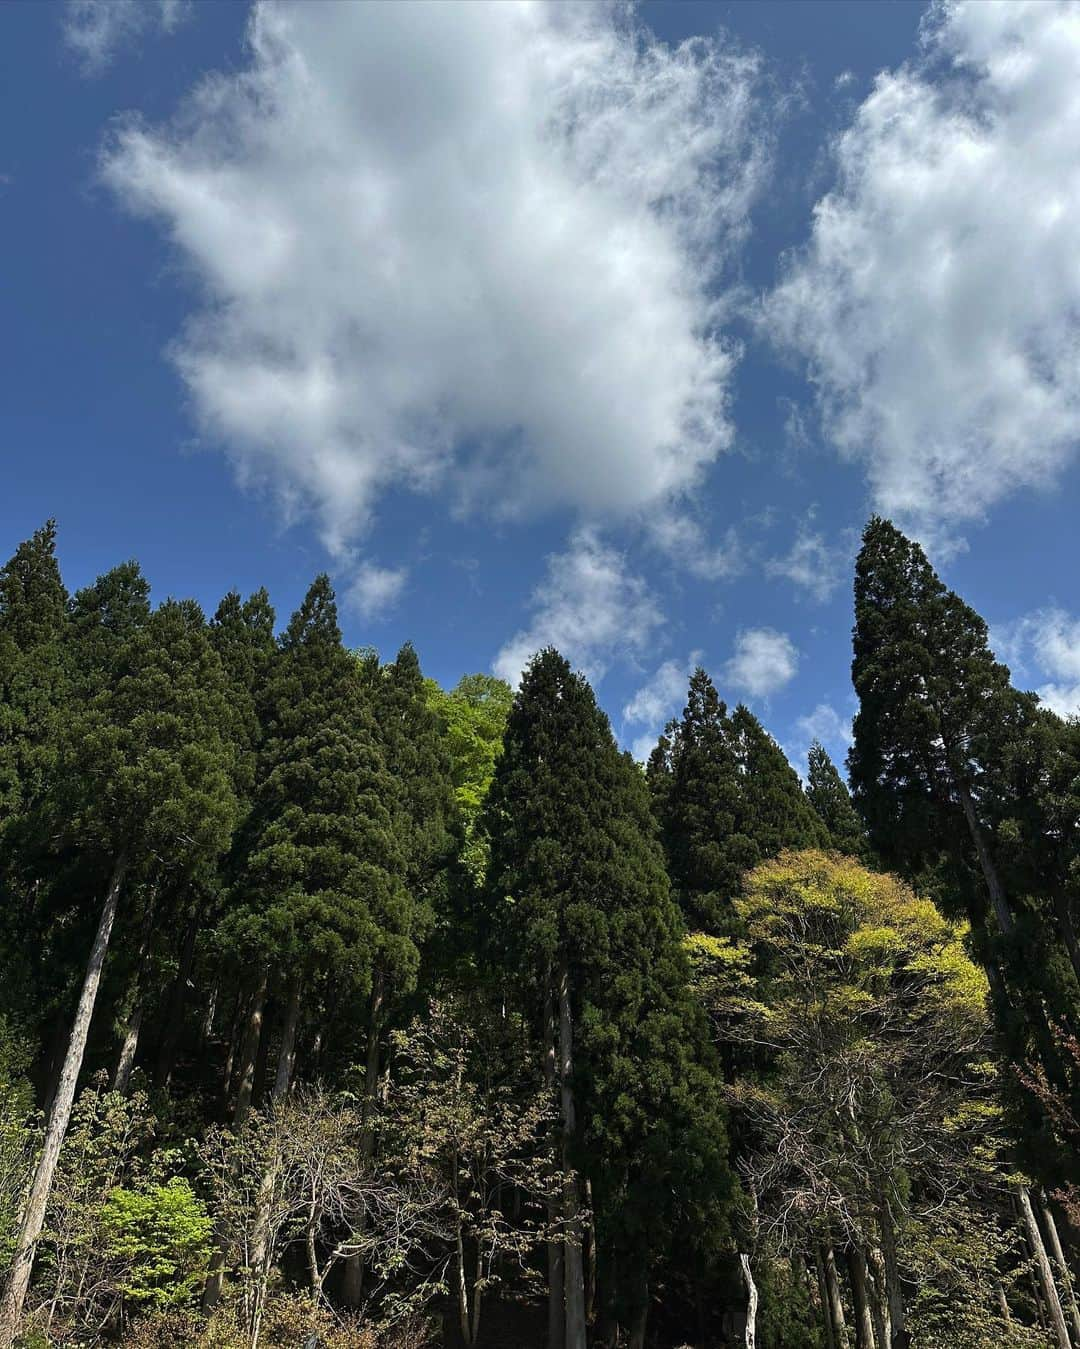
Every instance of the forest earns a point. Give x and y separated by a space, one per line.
341 1009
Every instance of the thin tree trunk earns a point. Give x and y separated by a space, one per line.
836 1305
879 1298
1002 911
174 1017
59 1117
750 1333
573 1271
823 1295
1045 1273
590 1256
556 1310
246 1079
130 1044
206 1029
899 1337
260 1245
130 1047
352 1282
860 1300
249 1054
1063 1273
1003 1303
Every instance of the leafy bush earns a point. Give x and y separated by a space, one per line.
160 1235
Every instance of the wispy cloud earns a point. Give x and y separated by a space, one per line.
657 700
96 30
590 607
1043 647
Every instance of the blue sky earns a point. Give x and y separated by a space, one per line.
530 324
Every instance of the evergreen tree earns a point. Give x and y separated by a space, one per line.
144 785
726 798
580 894
827 792
32 685
103 616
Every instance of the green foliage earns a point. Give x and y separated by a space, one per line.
160 1235
17 1135
725 798
827 792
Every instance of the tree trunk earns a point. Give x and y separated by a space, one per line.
860 1300
261 1254
750 1333
556 1308
130 1047
206 1027
638 1325
879 1298
836 1305
1000 905
899 1337
249 1054
174 1018
1045 1273
352 1282
573 1270
1003 1303
590 1256
1063 1273
823 1296
59 1116
246 1079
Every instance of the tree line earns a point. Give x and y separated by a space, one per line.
342 1009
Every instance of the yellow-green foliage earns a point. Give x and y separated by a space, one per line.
824 925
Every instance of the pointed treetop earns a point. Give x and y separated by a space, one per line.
32 596
827 792
316 620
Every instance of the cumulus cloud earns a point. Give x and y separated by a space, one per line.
764 661
374 590
473 247
1045 646
936 302
812 564
683 538
96 29
657 700
589 607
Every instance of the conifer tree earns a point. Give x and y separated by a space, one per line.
726 798
103 616
144 783
827 792
32 685
582 900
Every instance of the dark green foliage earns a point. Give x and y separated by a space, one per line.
577 881
827 792
726 798
322 892
103 616
33 688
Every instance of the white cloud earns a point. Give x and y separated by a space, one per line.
374 590
812 563
96 29
1045 645
825 725
764 661
588 607
475 246
683 539
657 700
936 303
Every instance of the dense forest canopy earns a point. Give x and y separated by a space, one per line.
338 1008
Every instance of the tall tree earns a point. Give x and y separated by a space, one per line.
827 792
580 895
726 798
144 784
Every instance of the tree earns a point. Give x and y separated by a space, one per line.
580 896
949 766
725 797
145 776
827 792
